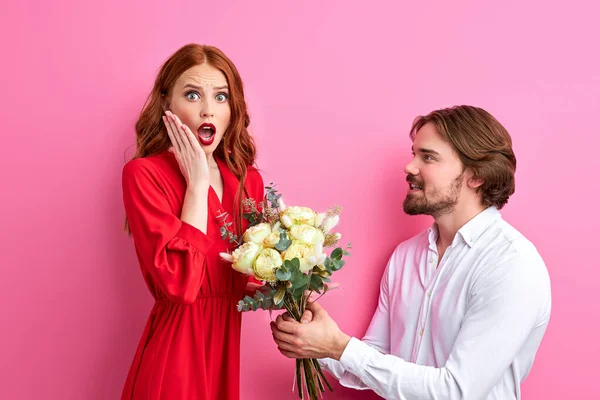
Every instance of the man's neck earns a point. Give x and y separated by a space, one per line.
449 224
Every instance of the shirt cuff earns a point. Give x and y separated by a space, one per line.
355 356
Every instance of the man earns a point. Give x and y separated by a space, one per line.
464 305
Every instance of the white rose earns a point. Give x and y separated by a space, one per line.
297 216
243 257
271 240
307 234
257 233
267 263
303 252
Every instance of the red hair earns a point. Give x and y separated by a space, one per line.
237 148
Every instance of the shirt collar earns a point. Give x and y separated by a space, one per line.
472 230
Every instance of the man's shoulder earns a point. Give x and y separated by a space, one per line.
505 238
411 247
418 241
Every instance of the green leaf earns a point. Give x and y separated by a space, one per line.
283 274
296 263
316 283
337 253
283 243
328 265
338 264
299 283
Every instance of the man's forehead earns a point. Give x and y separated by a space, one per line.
429 139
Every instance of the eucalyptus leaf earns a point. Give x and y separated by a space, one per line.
316 283
283 274
338 264
337 254
328 265
283 243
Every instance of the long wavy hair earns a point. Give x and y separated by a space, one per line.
483 145
237 148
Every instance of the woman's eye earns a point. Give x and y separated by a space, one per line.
221 97
193 96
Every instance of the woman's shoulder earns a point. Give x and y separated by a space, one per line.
254 183
150 165
253 171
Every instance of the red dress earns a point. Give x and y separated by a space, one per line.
190 347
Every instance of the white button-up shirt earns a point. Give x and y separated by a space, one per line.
466 329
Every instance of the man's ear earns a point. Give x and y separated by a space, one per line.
475 182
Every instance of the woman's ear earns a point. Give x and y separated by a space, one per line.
165 101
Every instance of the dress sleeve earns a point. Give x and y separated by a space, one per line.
255 185
172 251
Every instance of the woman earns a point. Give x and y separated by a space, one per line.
194 161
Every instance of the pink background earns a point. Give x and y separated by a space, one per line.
333 88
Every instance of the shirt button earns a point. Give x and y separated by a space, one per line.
421 333
428 294
431 260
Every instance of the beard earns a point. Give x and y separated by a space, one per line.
439 204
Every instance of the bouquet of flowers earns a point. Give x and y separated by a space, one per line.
284 248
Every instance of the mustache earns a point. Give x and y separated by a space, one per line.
412 179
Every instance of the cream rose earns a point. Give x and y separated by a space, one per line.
267 263
243 257
303 252
307 234
297 216
271 240
257 233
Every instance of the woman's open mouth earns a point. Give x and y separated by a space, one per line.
206 134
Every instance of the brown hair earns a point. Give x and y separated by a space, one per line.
237 147
483 145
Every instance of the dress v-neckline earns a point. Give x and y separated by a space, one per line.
220 201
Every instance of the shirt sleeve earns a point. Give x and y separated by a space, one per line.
506 304
377 337
172 251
